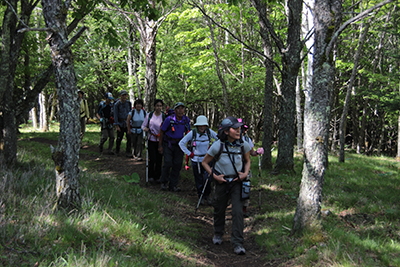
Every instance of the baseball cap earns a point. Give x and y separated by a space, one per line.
230 122
123 92
177 104
109 96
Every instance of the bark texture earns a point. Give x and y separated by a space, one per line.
261 8
66 155
290 68
316 116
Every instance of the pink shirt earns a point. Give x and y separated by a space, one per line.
154 126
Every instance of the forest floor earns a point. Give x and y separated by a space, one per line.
215 255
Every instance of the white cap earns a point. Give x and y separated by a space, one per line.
201 121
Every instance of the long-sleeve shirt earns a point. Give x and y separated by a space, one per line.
200 146
121 111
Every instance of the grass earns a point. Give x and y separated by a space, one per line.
123 225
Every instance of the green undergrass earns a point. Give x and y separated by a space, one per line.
122 225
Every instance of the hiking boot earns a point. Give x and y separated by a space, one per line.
164 187
176 189
239 250
111 152
217 240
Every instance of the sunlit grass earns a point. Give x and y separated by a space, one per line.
122 225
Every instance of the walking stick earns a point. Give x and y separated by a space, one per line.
259 175
147 161
201 196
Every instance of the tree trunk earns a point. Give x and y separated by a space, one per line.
217 67
291 65
261 8
9 132
53 106
131 60
66 155
343 119
43 104
299 117
34 118
316 117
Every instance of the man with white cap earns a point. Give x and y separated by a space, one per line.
198 141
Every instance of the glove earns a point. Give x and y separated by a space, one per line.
191 155
186 167
260 151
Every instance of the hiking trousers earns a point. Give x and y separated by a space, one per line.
222 194
173 158
155 160
200 179
120 136
137 141
107 133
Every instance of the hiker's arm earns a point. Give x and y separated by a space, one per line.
128 124
243 175
98 116
205 163
160 147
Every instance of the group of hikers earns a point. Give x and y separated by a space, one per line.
222 158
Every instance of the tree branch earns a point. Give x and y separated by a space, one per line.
74 38
350 21
28 29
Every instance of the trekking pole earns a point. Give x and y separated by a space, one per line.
201 196
147 162
259 175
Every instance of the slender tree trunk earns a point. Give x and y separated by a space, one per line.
53 107
261 8
34 118
299 117
44 107
217 67
131 60
316 117
66 155
343 119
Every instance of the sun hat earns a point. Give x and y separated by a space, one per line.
201 121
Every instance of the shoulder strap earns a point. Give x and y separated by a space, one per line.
218 155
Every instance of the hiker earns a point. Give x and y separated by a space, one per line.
134 122
172 131
199 140
231 167
152 125
84 114
105 115
121 110
253 153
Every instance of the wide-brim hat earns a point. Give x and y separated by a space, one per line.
201 121
230 122
178 104
80 91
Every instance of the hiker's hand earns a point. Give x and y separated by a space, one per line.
160 149
219 178
146 129
118 129
260 151
242 176
191 155
186 167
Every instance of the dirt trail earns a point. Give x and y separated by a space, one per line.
216 255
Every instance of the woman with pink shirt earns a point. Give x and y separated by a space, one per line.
151 125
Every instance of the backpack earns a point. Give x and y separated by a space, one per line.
191 144
172 122
151 115
221 150
133 113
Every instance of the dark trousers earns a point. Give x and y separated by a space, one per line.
120 136
155 160
222 194
200 179
173 158
107 133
